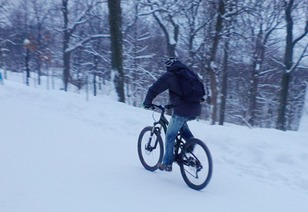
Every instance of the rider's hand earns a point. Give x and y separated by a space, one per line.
147 105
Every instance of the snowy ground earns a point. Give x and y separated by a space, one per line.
60 153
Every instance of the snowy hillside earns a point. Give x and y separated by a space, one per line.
60 153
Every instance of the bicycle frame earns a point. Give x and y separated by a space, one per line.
163 124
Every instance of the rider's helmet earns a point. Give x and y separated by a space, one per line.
170 61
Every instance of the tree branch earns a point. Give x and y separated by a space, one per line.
300 58
302 36
84 41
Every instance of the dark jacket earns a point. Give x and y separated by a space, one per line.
169 81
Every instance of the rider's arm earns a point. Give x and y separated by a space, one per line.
158 87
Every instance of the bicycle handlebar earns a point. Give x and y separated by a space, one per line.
162 107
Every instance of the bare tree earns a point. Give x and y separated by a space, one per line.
70 26
3 36
164 13
138 57
3 5
95 58
40 35
196 21
232 11
211 64
289 64
262 25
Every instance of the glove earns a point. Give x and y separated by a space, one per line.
147 105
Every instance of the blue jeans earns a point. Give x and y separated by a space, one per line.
175 124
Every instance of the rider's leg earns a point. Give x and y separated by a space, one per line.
186 133
176 122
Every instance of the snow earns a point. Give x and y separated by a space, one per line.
60 153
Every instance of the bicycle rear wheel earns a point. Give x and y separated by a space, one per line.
150 148
196 164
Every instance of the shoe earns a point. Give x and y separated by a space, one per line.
163 167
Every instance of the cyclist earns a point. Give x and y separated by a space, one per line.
182 111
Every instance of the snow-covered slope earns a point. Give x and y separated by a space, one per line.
60 153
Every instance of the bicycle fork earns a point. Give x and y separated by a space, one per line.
148 146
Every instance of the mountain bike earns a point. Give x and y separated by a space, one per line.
192 156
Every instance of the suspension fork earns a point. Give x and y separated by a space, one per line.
163 123
149 147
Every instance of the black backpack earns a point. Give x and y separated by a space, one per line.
192 88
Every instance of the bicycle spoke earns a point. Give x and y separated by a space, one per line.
195 176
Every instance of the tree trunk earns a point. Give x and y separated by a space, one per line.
256 68
224 86
27 66
115 24
288 62
289 67
285 82
171 46
211 62
66 37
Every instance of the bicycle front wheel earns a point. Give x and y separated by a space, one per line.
150 148
196 164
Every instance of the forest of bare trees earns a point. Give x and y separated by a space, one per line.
251 54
